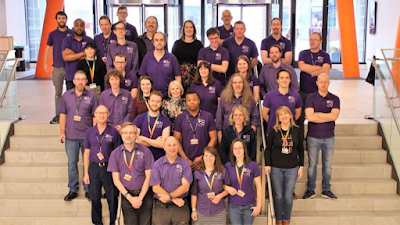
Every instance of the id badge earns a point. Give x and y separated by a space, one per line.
211 195
92 86
194 141
285 150
241 193
100 156
77 118
127 177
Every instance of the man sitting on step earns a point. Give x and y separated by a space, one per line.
322 110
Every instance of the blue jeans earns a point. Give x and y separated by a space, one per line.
313 146
283 183
240 214
72 147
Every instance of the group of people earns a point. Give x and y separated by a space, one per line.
148 122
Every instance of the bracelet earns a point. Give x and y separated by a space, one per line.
126 194
194 210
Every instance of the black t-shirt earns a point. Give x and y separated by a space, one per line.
187 52
99 71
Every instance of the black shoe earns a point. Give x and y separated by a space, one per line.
104 196
309 194
87 195
55 120
70 196
328 195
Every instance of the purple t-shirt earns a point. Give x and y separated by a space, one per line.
224 33
76 46
253 82
251 171
162 123
109 140
202 123
323 105
224 111
268 79
142 161
131 32
169 176
215 57
162 72
84 106
131 52
149 45
247 48
283 42
200 189
55 39
274 99
130 82
102 44
119 106
208 96
307 82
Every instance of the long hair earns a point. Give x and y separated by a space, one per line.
228 93
197 77
246 154
241 109
217 164
183 30
249 71
139 97
284 109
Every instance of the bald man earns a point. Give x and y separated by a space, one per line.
322 110
226 30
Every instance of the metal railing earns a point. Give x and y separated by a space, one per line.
11 76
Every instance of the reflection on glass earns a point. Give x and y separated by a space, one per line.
173 26
333 37
192 11
80 9
254 31
360 8
309 19
286 17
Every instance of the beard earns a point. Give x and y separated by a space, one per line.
62 25
81 34
275 60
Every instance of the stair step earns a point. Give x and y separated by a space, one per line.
358 142
342 156
36 129
44 141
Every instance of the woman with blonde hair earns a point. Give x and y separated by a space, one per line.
238 129
236 92
175 104
243 66
284 159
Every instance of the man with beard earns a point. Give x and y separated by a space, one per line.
131 32
100 141
276 38
105 38
160 65
76 110
153 127
55 39
128 48
226 30
269 71
72 50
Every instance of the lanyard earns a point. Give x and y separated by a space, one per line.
284 138
78 100
210 184
147 104
190 124
106 41
100 141
240 179
126 162
314 62
151 130
176 107
91 69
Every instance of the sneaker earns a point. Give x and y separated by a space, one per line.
309 194
55 120
70 196
87 195
328 195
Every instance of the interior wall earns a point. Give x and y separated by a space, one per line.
3 18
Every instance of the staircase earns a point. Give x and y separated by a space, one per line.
33 182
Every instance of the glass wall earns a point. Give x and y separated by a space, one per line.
173 26
35 13
134 16
286 18
252 13
360 12
84 11
192 11
333 35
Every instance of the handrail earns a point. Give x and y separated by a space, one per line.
388 99
268 181
387 64
4 61
9 78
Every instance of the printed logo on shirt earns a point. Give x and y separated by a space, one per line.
83 44
320 59
245 49
69 35
218 176
113 41
128 82
139 155
291 99
202 123
218 56
231 34
108 137
329 103
159 124
251 84
166 63
247 172
86 99
124 100
179 169
282 45
246 138
128 32
211 90
129 50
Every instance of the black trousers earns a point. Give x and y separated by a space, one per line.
141 216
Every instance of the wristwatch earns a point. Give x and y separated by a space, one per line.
194 210
126 194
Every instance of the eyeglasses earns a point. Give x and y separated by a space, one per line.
128 133
119 28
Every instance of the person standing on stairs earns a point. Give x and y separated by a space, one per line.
76 110
100 141
322 110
